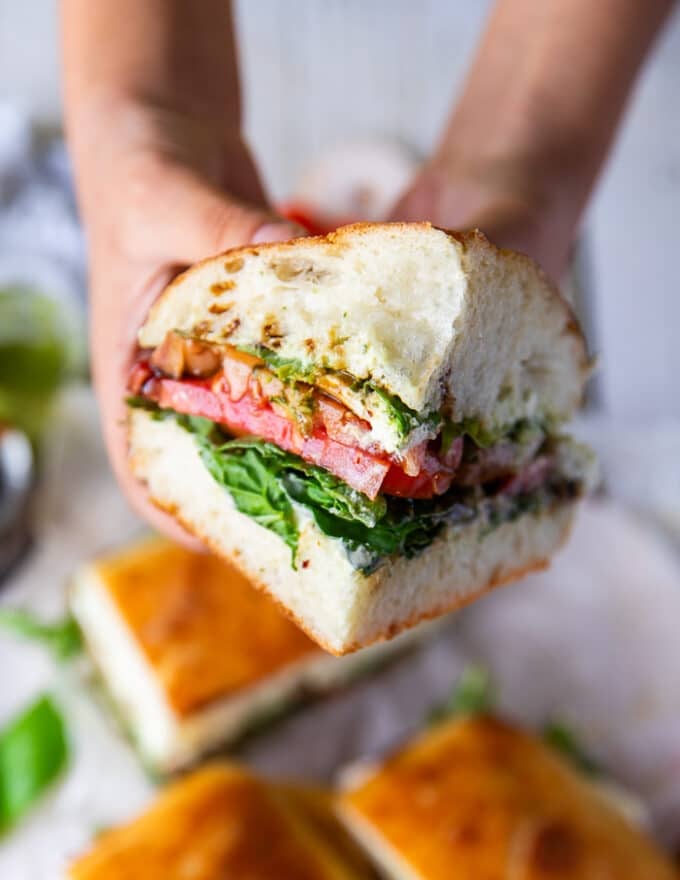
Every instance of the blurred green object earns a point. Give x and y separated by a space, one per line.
37 352
62 638
473 694
33 752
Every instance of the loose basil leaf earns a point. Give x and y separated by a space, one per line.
63 638
473 694
33 751
563 738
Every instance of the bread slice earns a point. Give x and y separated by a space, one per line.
336 604
192 656
478 798
438 319
223 822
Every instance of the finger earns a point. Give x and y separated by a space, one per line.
178 217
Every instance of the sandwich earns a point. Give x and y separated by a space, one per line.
191 656
368 424
475 797
223 822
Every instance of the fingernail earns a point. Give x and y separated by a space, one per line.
274 232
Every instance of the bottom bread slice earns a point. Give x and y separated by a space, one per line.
335 603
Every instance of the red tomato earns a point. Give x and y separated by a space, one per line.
335 442
309 218
209 398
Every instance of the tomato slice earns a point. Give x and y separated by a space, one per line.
337 439
209 398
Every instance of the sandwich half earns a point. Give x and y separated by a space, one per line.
192 656
368 423
223 822
478 798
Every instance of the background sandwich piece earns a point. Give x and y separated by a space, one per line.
223 822
192 655
476 797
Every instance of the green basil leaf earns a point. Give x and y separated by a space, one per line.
63 638
404 419
474 694
33 751
312 485
254 488
560 736
286 369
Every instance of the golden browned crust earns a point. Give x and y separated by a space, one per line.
456 602
203 630
478 797
219 822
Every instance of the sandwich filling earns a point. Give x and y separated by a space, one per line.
285 438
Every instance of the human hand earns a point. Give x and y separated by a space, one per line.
509 211
158 190
534 122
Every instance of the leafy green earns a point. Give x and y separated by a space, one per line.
63 638
264 480
402 418
33 751
483 437
288 370
254 487
473 694
563 738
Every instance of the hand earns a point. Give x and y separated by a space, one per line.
510 214
534 121
159 190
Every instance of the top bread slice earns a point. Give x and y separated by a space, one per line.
438 319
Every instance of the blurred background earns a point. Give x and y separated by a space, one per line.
368 110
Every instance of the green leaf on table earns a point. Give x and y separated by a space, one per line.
473 694
62 638
563 738
33 751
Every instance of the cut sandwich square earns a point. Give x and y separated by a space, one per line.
373 432
478 798
222 823
191 654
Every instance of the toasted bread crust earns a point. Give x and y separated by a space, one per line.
419 291
495 802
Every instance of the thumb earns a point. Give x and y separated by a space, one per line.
186 218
